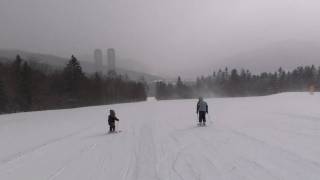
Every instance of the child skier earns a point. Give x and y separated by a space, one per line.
112 121
202 110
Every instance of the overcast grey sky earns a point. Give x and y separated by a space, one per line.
170 36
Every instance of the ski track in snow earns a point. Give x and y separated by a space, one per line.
20 155
266 138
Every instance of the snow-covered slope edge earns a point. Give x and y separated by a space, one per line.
271 137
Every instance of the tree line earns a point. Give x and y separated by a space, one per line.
29 86
237 83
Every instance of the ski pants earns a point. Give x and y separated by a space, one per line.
112 127
202 116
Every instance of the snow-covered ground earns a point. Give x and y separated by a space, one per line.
258 138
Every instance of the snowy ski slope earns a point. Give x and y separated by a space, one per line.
258 138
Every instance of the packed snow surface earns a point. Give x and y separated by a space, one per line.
260 138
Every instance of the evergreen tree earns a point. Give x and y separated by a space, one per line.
233 85
3 98
98 89
25 88
112 74
16 65
161 90
16 79
73 75
144 82
15 73
318 76
181 89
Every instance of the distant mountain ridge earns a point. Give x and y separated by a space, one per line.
286 54
59 62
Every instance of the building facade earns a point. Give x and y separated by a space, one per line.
98 60
111 54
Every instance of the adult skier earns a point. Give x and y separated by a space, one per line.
202 110
112 121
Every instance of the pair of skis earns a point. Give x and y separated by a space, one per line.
202 124
115 131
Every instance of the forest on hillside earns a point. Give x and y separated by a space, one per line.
239 83
29 86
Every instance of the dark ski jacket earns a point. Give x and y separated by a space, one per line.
202 106
112 120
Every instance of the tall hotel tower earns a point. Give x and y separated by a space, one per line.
98 57
111 59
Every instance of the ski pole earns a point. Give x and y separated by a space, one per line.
197 118
117 126
210 118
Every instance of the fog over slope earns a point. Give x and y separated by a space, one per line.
60 62
170 37
285 54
